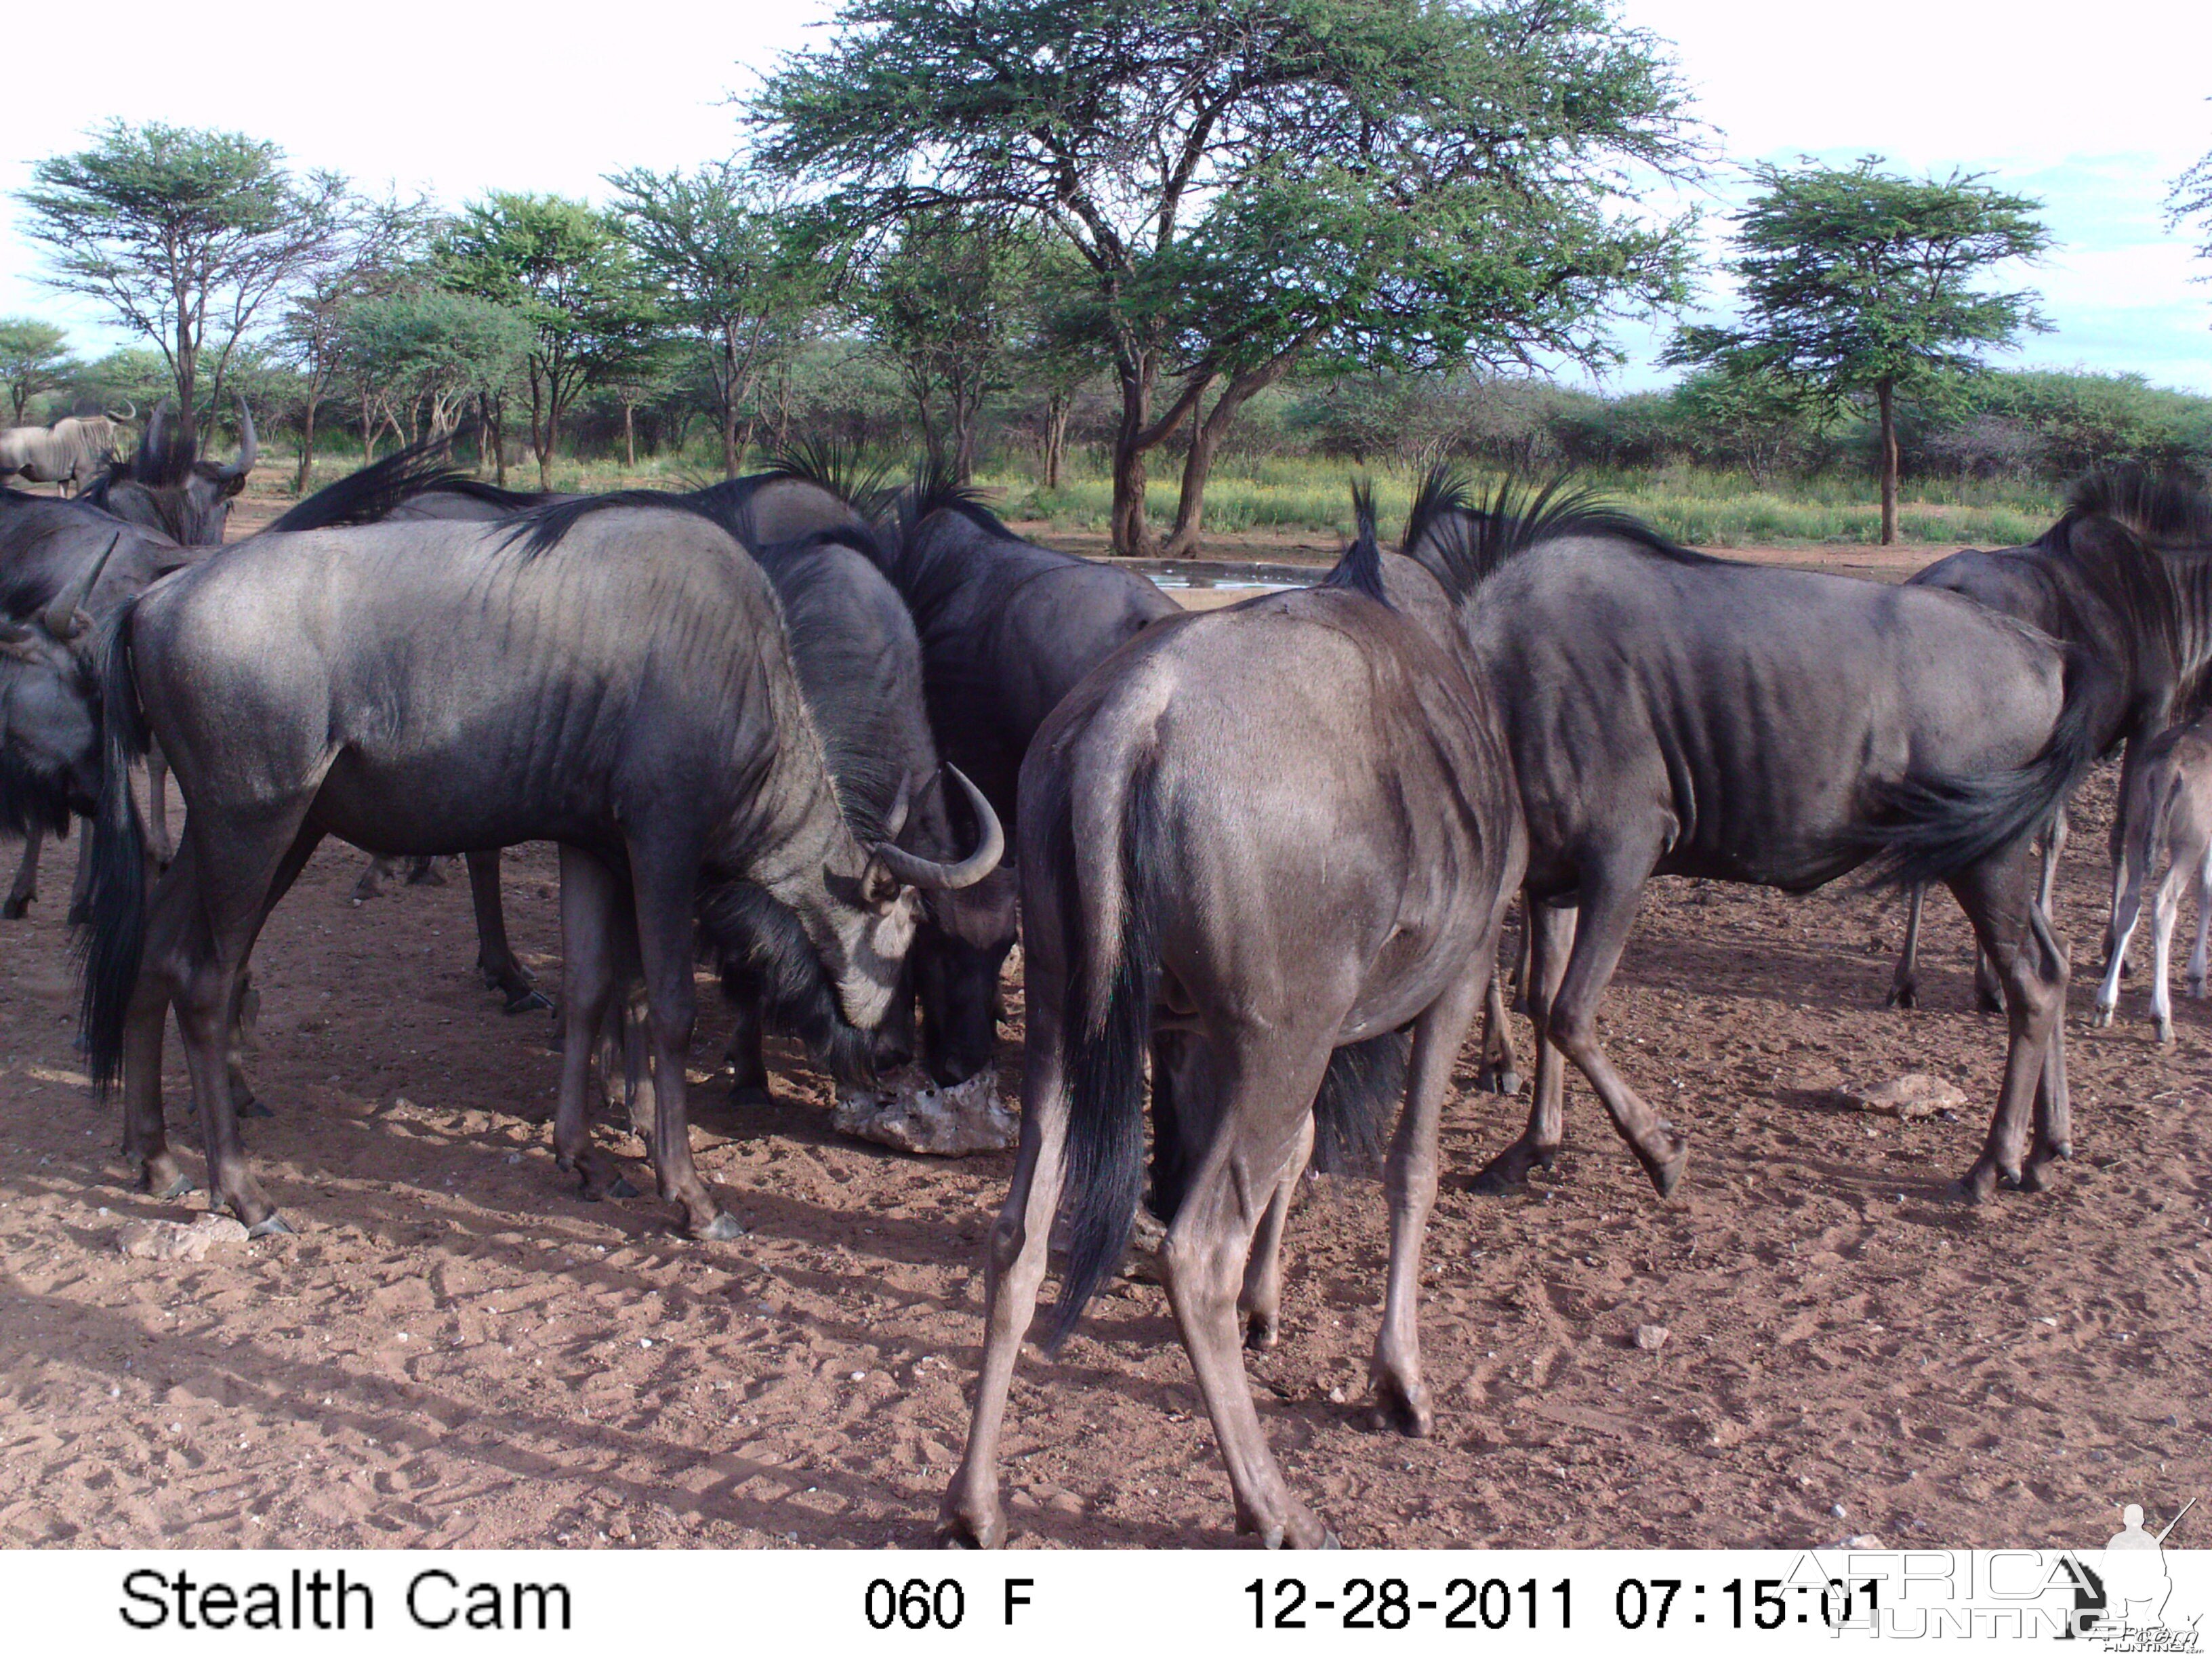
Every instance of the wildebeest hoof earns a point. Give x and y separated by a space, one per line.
722 1229
424 872
177 1187
527 1001
1509 1171
1902 996
2102 1017
79 916
1988 1001
1330 1540
1505 1083
747 1095
16 909
1261 1331
956 1531
269 1225
1666 1169
618 1188
253 1107
1410 1414
2165 1031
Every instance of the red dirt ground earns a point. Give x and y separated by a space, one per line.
457 1350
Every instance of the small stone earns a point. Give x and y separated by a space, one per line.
1862 1541
1336 1396
1838 1510
909 1112
1651 1338
163 1241
220 1229
1912 1095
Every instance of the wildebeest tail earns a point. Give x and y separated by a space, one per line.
1931 827
114 939
1106 1031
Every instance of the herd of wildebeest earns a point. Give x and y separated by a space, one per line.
836 739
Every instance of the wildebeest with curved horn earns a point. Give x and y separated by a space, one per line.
2151 656
1671 712
612 676
70 452
1007 629
1263 843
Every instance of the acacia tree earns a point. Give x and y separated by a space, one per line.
373 248
565 269
1250 180
2191 198
721 245
1860 284
184 234
423 355
34 358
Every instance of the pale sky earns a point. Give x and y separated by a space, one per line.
2093 109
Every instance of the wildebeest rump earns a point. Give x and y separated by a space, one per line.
1262 843
610 677
1675 713
71 451
2150 651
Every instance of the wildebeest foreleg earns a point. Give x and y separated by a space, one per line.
25 885
1904 983
145 1130
1999 896
1410 1179
743 1055
1501 1069
1551 942
1609 898
496 958
2129 871
594 907
1014 1262
662 882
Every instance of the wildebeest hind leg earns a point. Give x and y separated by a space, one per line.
1551 942
1261 1303
145 1130
1410 1179
1904 983
25 885
261 861
1202 1264
1014 1262
1998 896
1608 911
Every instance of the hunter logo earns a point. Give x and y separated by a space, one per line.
2120 1602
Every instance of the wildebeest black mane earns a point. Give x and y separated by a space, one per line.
370 493
2162 509
1464 546
543 527
759 943
1358 569
162 460
829 463
926 576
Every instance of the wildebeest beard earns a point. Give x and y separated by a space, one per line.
759 943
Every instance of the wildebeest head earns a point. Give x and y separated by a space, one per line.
49 723
165 485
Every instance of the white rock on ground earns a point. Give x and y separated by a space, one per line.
1914 1095
907 1111
173 1241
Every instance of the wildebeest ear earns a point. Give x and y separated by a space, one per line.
879 886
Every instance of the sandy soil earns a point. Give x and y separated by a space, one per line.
457 1349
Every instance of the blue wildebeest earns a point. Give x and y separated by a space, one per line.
1675 713
1007 629
610 676
166 486
2150 670
1263 844
70 452
2168 810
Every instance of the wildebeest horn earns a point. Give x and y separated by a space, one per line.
64 617
928 873
248 445
126 419
901 803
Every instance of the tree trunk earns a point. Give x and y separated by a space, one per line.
1055 436
629 436
306 447
1885 398
1132 533
367 428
